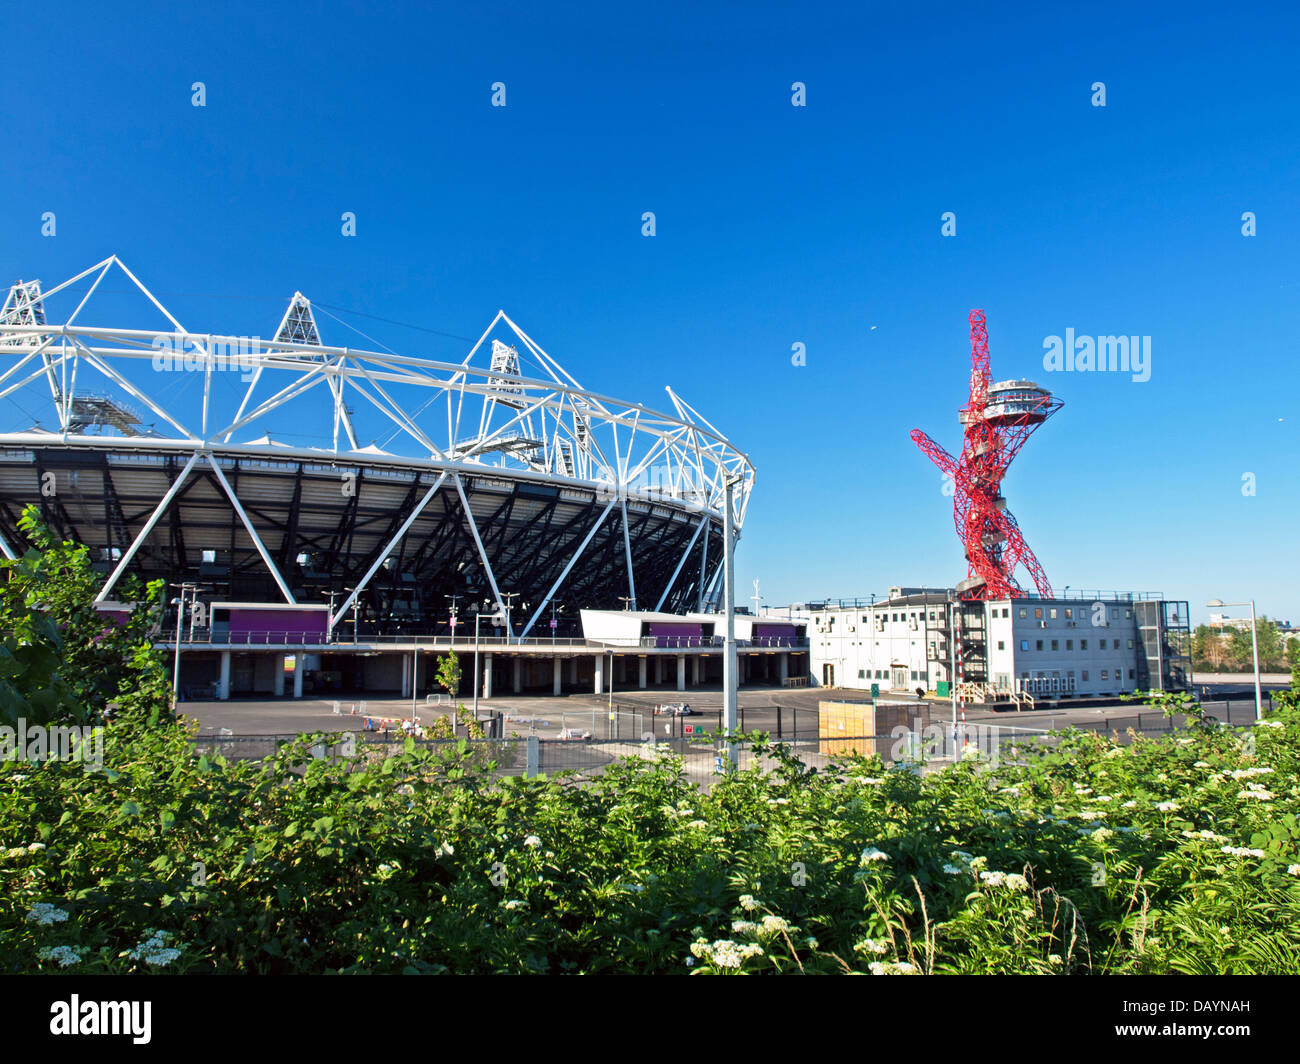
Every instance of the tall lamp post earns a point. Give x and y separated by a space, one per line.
179 603
495 618
1254 648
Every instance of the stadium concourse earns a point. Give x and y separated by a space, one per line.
245 656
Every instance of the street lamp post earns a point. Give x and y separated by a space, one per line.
478 616
1254 648
179 603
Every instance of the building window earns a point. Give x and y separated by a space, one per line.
1001 645
1128 614
1116 644
866 618
1039 644
915 676
862 674
1103 674
1083 644
1056 644
1114 615
1069 644
1130 644
1038 613
1068 613
1131 674
1023 613
1052 613
1024 644
1085 675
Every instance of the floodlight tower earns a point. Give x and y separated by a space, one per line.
997 420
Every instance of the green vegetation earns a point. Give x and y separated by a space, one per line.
1176 854
1229 649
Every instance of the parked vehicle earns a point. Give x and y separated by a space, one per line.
675 709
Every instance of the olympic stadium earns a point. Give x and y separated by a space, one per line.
367 490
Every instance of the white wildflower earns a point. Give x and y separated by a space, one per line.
873 854
743 927
1167 807
1261 794
1246 773
45 914
65 955
1241 851
514 904
891 968
697 824
532 842
1293 870
748 903
774 924
871 945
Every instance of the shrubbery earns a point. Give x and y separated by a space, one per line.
1176 854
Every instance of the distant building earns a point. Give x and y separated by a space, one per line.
1010 649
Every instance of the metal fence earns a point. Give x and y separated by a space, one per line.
928 740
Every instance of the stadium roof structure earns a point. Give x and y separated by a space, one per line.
294 471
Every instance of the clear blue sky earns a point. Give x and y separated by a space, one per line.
776 225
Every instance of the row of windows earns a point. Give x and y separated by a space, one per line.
1069 613
1105 675
1069 644
881 674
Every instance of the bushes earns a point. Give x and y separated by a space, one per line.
1170 854
1177 854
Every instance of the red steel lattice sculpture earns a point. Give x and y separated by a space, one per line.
997 420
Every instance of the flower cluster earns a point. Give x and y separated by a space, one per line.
1010 880
892 968
1241 851
154 950
725 953
44 914
65 955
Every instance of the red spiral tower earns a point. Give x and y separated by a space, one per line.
996 421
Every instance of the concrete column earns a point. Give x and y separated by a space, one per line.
573 671
298 670
640 672
223 692
487 676
659 670
557 670
406 676
783 667
695 670
518 675
681 672
600 674
279 675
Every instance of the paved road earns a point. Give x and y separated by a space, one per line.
546 716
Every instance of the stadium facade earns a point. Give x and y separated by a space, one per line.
339 499
492 486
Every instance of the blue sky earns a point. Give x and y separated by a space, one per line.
775 225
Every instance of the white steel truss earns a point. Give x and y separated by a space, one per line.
454 420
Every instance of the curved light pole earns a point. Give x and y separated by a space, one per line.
1254 648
